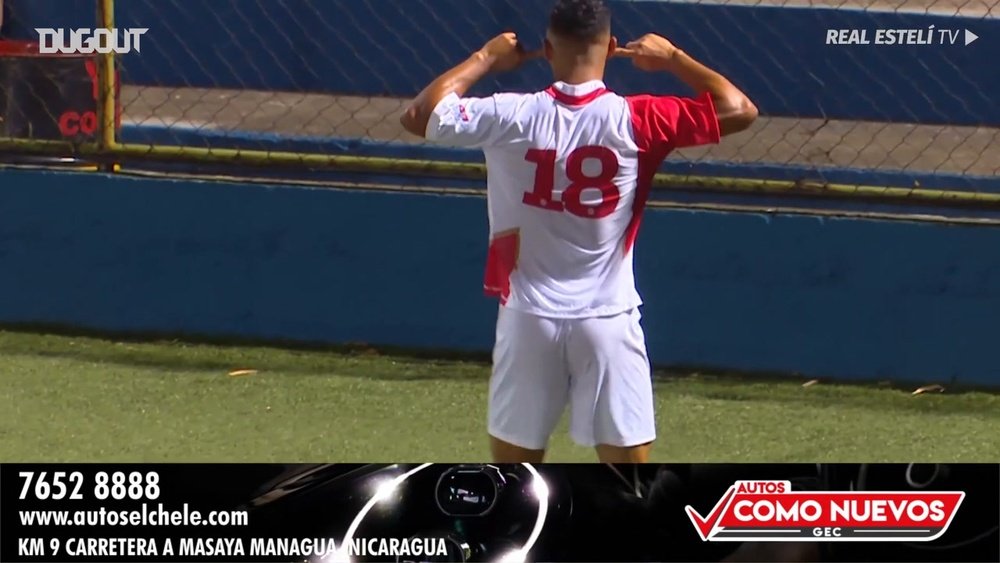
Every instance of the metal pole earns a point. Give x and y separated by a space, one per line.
107 94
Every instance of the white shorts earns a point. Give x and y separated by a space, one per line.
598 366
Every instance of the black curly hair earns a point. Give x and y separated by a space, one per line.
583 20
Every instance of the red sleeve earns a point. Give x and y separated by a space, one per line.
664 123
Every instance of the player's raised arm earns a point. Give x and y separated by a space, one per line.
502 53
734 109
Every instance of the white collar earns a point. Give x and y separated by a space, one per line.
583 89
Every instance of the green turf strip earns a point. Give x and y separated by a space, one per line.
85 399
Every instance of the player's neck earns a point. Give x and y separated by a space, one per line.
578 68
579 75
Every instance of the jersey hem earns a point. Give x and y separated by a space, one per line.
608 311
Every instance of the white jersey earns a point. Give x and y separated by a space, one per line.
569 171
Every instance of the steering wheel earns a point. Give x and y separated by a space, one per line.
920 476
462 505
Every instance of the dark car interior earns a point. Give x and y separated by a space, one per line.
593 512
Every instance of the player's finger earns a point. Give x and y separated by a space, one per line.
624 52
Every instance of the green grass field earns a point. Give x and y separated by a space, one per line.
85 399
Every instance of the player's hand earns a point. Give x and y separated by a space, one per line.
504 53
650 52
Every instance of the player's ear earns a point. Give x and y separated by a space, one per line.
548 49
612 46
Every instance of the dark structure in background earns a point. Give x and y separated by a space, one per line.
47 96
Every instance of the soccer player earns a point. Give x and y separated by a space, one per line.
569 171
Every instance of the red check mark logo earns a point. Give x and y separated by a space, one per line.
706 525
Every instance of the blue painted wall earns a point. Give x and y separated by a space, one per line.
393 47
826 297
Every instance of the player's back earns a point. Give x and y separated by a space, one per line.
568 174
564 188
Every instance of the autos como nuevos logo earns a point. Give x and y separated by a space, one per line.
771 511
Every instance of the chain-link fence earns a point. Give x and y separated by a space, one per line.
311 84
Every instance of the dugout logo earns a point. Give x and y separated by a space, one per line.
89 41
770 511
